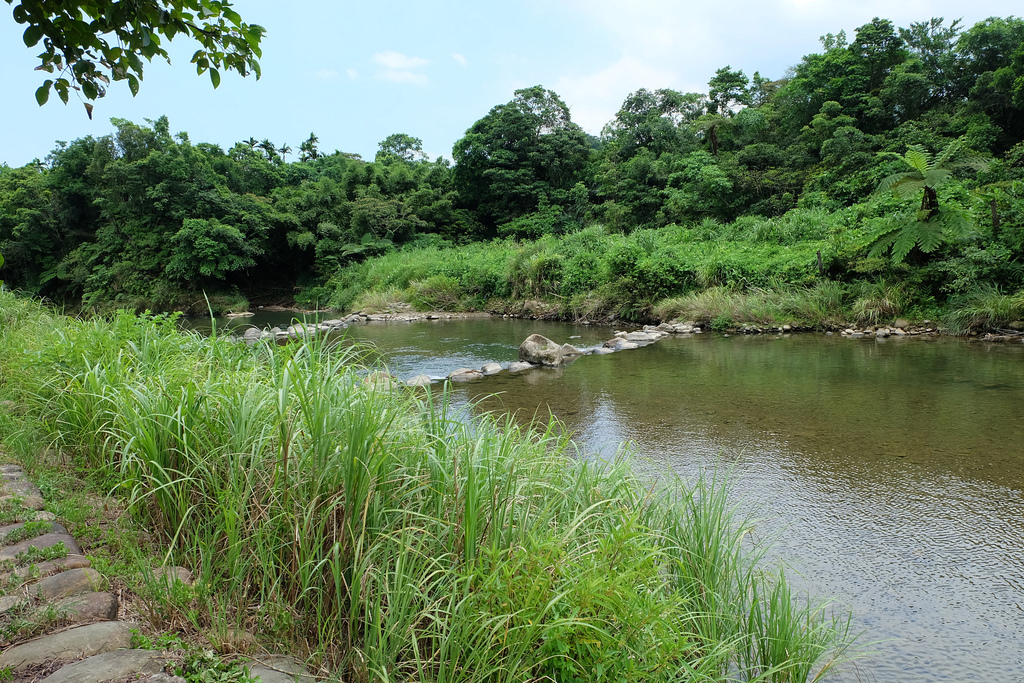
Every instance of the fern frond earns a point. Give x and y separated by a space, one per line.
918 158
910 187
904 242
893 180
976 162
928 236
947 153
879 248
937 177
956 223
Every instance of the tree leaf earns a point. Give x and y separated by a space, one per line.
133 84
215 77
32 35
43 92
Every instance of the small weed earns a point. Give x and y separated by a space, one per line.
206 667
164 641
29 530
35 555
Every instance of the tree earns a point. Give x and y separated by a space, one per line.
88 43
268 148
308 150
726 90
401 146
284 150
519 154
927 174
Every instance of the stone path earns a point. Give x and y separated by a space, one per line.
50 587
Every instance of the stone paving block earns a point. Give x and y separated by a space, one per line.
280 669
65 584
172 575
75 643
110 666
11 552
19 487
88 607
54 529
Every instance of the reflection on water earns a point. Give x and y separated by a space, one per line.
890 472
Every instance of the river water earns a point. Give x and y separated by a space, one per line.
888 473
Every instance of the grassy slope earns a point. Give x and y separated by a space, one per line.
755 270
385 538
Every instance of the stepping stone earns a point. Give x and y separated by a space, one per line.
168 576
280 669
19 485
26 502
11 472
43 569
43 542
110 666
65 584
88 607
75 643
9 602
54 529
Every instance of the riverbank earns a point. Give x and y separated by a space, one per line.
373 534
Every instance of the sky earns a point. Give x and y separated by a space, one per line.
354 73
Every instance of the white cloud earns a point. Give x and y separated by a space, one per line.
460 59
399 76
352 74
399 62
326 75
594 98
399 68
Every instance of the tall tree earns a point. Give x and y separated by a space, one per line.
401 146
519 155
727 90
308 150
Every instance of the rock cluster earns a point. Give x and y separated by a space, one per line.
91 645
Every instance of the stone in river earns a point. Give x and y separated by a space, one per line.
464 375
540 350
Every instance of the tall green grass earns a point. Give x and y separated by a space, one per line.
390 539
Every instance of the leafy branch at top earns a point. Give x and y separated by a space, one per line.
89 43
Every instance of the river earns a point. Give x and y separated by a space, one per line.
888 473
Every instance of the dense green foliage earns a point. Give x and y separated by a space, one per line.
392 538
898 154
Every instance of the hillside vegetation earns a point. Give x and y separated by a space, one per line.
882 176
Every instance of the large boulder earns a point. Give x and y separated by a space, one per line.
540 350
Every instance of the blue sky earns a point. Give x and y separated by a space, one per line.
354 73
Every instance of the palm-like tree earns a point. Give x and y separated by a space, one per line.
251 142
268 147
928 172
309 148
284 150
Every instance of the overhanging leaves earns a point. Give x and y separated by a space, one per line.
91 42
